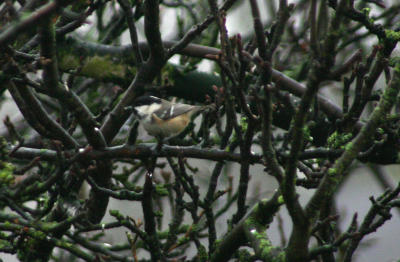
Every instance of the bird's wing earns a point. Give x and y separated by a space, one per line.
174 111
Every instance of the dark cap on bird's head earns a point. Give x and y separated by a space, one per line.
146 100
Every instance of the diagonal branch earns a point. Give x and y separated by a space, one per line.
12 31
254 223
132 30
337 173
37 116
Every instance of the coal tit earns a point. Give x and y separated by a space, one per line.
161 118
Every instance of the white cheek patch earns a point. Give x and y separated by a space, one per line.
146 111
154 107
141 109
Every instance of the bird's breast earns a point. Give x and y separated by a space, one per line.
166 128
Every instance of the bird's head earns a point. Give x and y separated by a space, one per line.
146 105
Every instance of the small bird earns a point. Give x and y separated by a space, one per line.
161 118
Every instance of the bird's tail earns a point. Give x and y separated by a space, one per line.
210 107
200 109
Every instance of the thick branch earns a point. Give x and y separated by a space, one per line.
339 170
255 222
138 152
